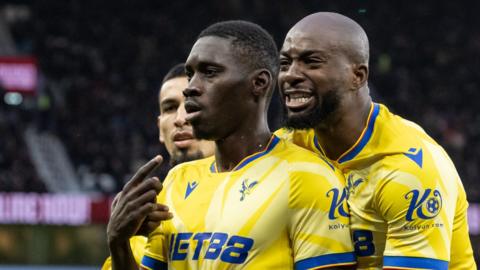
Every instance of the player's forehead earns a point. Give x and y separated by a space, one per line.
211 49
300 41
173 89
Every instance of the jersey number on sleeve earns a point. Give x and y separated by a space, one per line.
363 243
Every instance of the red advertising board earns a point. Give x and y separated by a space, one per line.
53 209
19 74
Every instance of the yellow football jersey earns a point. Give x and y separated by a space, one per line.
407 204
137 244
281 208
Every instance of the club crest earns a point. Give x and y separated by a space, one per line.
247 188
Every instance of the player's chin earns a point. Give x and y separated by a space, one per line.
299 113
201 132
304 119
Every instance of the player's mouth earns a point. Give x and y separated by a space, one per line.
298 99
193 110
183 139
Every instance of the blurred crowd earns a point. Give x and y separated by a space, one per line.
102 62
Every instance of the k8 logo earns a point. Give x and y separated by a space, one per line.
426 205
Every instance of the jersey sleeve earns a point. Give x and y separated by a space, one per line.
156 254
107 264
137 244
156 250
461 256
418 220
319 225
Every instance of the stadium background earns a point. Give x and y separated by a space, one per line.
72 139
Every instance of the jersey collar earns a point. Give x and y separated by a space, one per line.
271 144
361 141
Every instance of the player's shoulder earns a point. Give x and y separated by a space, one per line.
300 161
301 137
188 169
198 164
399 127
415 167
293 153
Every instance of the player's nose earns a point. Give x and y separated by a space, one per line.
180 118
291 75
192 91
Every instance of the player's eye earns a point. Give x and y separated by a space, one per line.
314 62
189 74
210 72
284 64
168 108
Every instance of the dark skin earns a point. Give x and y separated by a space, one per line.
219 83
135 204
216 84
328 58
225 101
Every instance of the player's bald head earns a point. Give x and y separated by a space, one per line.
341 33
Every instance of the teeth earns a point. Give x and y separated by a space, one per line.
299 95
300 99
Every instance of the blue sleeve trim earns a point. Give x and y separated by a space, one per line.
414 263
324 260
153 264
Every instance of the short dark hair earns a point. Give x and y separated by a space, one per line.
176 71
253 43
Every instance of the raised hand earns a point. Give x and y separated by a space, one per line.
135 203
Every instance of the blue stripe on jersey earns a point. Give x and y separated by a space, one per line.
317 145
273 142
414 263
212 167
365 138
324 260
153 264
270 146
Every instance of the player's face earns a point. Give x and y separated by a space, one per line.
216 98
313 78
175 132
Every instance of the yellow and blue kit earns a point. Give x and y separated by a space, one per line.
407 204
281 208
137 244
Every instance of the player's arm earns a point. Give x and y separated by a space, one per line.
319 224
461 253
417 232
156 255
136 201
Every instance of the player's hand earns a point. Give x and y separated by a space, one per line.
135 203
151 222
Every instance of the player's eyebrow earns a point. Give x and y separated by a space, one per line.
305 53
201 65
204 64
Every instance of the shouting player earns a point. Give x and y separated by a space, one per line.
408 206
260 202
177 136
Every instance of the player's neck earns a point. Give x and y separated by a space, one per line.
234 148
339 136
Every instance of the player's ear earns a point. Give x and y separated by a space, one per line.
360 75
262 80
160 135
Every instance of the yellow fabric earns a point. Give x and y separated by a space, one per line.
403 191
278 208
137 244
